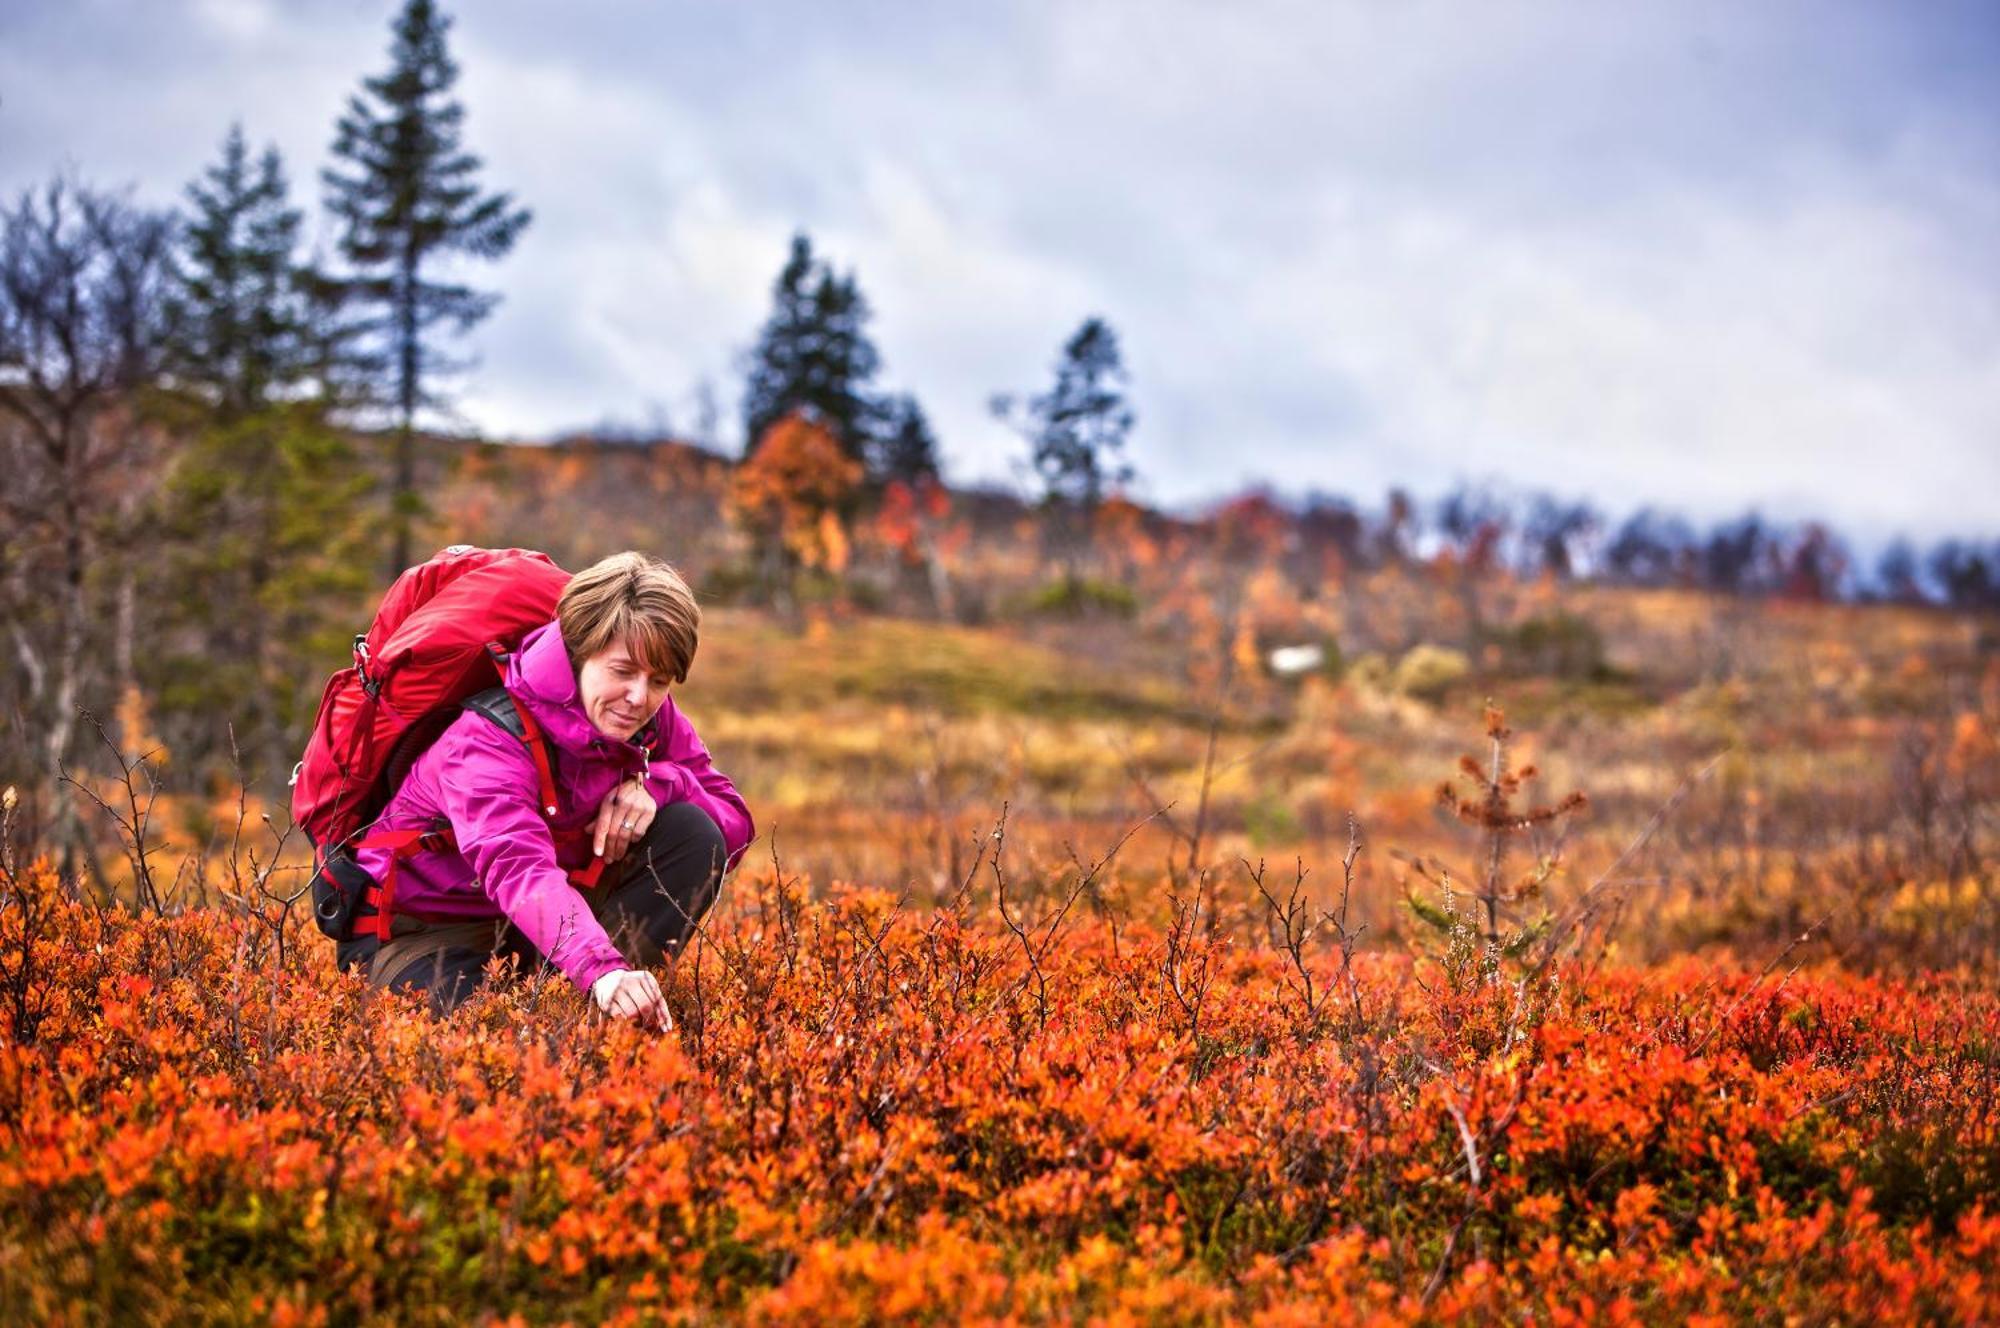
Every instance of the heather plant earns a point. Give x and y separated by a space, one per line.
873 1112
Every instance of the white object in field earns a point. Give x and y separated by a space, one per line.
1289 660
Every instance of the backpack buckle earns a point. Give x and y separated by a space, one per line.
369 684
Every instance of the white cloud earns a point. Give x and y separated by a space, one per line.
1816 360
1709 255
236 20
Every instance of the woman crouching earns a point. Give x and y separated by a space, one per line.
635 788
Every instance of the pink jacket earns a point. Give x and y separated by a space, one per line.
482 780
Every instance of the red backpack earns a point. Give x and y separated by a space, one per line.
437 642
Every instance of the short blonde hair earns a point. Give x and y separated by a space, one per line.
633 598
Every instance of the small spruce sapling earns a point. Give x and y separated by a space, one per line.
1490 808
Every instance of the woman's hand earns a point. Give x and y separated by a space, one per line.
626 993
622 820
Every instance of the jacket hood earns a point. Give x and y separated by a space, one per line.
539 674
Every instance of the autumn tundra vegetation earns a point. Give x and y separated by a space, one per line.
1600 952
1294 911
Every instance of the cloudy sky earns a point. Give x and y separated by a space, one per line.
1702 255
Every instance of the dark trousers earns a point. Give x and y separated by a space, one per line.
649 903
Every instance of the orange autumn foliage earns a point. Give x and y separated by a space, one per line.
791 489
871 1113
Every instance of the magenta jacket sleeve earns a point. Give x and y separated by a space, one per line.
489 793
683 772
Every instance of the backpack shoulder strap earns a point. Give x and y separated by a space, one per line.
497 705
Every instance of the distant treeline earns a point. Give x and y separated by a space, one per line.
1535 534
1529 535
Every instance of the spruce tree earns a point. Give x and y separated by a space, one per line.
239 313
1076 430
259 505
406 199
775 365
814 356
1076 438
906 450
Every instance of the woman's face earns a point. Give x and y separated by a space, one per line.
618 693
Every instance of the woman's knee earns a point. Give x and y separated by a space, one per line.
691 825
672 881
683 841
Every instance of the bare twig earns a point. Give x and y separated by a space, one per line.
134 823
1582 908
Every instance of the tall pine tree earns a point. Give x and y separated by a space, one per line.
1076 430
814 356
263 547
1076 437
407 198
239 313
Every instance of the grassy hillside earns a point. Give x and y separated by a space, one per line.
1843 770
